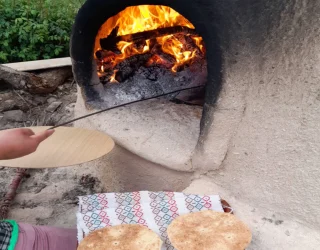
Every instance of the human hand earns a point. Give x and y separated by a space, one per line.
19 142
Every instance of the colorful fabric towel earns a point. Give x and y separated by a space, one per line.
151 209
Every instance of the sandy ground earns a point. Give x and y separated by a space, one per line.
49 196
46 196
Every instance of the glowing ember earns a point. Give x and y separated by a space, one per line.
144 18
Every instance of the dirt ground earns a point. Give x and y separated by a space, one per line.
45 196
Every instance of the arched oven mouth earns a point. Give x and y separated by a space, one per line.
157 45
124 51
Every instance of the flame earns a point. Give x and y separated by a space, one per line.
113 77
149 17
198 41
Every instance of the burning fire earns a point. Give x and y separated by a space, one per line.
143 18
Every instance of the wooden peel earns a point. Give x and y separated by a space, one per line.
66 147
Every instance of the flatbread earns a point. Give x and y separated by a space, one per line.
209 230
122 237
67 146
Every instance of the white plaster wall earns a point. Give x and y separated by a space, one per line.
270 156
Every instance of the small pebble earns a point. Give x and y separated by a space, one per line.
70 108
51 100
38 100
15 116
53 106
287 233
278 222
7 105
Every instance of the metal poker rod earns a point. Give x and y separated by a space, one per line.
121 105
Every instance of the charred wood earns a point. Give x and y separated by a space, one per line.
110 42
129 66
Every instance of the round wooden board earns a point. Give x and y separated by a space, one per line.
68 146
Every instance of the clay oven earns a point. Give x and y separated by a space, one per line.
125 51
257 133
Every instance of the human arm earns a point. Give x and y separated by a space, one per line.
19 142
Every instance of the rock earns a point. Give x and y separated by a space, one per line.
28 123
38 100
7 105
70 108
14 116
287 233
51 100
53 106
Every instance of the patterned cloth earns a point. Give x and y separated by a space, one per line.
5 234
153 210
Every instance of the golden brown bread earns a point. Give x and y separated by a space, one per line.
122 237
209 230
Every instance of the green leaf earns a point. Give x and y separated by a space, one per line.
32 30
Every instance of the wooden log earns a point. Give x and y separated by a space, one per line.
110 42
40 64
42 83
161 58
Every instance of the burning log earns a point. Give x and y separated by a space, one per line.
110 42
161 58
130 65
175 52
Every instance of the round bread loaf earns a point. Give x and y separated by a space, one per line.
209 230
122 237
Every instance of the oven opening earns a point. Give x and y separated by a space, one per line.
152 45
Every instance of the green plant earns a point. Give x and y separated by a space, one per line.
35 30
